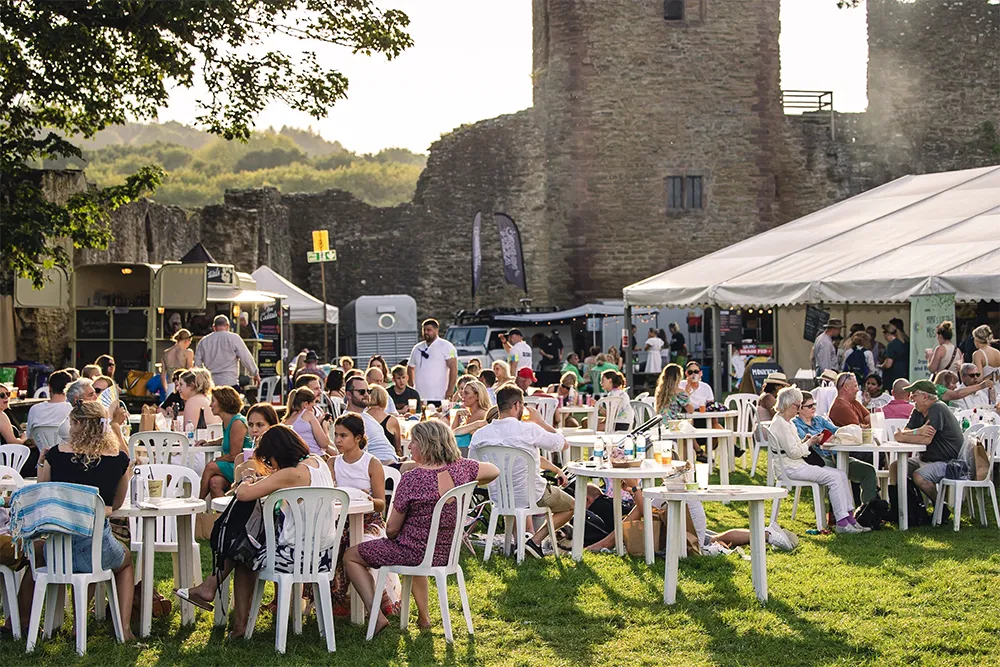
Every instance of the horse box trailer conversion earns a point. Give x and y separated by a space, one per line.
384 324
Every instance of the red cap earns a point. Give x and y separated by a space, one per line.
526 373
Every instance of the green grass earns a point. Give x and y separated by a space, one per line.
926 597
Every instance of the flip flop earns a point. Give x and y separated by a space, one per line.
183 594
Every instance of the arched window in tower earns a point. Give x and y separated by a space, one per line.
673 10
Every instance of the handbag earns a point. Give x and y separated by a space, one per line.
237 534
135 382
814 459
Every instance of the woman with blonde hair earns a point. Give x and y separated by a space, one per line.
471 413
672 402
439 468
92 457
985 354
378 404
193 388
502 371
946 356
300 415
614 357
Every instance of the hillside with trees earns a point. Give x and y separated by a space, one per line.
200 167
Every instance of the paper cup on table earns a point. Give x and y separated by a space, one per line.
701 474
412 403
866 436
155 487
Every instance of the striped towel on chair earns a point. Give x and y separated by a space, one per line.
52 507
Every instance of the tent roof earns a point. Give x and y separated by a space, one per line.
604 308
304 307
926 234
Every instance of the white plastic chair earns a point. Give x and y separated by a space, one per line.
504 502
14 456
892 426
9 578
270 390
165 539
311 508
988 436
978 415
611 406
42 392
643 411
45 437
546 407
644 395
782 480
52 579
393 475
461 498
746 405
160 446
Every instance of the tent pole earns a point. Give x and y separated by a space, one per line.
717 384
627 335
336 340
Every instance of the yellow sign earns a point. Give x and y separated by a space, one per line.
321 240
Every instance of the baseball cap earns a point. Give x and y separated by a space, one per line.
515 332
925 386
526 373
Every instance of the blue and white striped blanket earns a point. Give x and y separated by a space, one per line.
52 507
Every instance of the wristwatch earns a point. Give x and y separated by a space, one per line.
633 490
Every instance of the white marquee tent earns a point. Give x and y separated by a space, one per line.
303 307
929 234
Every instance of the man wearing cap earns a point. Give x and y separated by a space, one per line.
932 424
433 366
824 351
221 353
524 379
518 351
826 393
311 367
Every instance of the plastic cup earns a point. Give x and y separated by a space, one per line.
701 474
155 487
412 403
667 457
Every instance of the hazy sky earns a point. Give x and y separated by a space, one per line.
471 60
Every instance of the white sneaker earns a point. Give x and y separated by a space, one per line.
849 529
778 539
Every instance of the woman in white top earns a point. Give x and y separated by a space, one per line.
193 387
793 452
654 362
356 468
945 357
699 393
283 452
985 354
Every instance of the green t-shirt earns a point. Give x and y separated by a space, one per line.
570 368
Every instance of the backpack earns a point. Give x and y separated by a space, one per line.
857 364
874 514
916 510
237 535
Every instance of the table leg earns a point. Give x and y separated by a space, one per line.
616 495
579 515
710 453
758 549
725 458
901 473
185 561
647 528
843 459
148 551
357 527
673 552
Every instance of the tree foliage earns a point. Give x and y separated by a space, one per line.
78 67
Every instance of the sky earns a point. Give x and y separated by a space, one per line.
471 60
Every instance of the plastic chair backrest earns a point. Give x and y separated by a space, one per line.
7 472
173 478
643 396
309 508
14 456
336 407
270 390
611 405
461 497
42 392
893 425
546 406
989 438
643 411
506 459
58 549
393 475
775 456
160 445
746 405
45 437
595 381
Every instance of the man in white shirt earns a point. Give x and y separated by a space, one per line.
508 430
433 366
221 353
654 362
56 410
356 400
824 351
970 377
826 393
518 351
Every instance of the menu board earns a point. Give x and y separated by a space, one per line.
816 319
93 324
731 326
754 375
269 334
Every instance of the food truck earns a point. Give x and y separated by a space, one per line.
131 310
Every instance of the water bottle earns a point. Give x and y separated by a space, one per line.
640 447
599 452
630 447
137 488
189 429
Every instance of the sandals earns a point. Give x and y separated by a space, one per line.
185 595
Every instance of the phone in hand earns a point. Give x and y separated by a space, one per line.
825 435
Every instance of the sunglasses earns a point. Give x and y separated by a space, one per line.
693 372
810 405
565 387
4 397
975 375
361 391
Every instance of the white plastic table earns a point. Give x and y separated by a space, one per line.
902 452
360 506
676 524
149 511
589 410
710 435
586 471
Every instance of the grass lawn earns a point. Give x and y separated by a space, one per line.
926 597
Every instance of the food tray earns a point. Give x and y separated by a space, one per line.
626 464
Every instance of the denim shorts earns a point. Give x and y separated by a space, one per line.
113 553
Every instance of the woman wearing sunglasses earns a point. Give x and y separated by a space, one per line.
9 434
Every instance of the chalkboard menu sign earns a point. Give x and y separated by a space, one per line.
731 326
130 323
269 331
816 319
93 324
753 376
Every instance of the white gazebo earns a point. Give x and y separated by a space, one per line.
303 307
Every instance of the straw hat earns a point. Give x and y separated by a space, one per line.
829 375
777 378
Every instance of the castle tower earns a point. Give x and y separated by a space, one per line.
660 120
